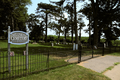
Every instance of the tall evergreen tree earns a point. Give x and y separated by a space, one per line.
103 14
48 9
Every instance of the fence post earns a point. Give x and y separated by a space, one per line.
119 47
79 54
103 49
110 48
92 51
9 65
47 64
27 56
116 47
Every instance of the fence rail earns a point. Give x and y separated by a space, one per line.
45 59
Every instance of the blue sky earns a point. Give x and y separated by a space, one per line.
33 6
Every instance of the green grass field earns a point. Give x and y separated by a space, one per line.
70 72
36 62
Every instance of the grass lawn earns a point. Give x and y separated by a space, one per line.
70 72
115 54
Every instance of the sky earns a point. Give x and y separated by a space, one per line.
33 6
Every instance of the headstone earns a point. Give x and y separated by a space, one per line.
76 46
34 43
52 44
12 53
95 47
24 52
104 45
73 46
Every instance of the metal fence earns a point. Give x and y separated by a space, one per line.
42 60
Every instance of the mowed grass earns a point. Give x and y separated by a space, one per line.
70 72
37 62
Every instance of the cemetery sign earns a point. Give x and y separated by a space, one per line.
18 37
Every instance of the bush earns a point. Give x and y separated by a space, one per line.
50 38
68 40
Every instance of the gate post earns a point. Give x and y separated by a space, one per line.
26 54
9 65
79 54
103 49
92 50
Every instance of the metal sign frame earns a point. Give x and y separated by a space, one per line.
27 41
18 37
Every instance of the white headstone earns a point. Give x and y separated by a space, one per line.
95 47
24 52
73 46
52 44
76 46
104 45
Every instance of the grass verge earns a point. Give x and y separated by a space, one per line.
111 67
70 72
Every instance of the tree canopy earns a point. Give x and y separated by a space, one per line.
102 15
13 13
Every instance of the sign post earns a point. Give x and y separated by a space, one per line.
9 65
18 38
26 53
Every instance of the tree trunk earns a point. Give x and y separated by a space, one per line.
46 28
80 35
58 37
89 31
13 23
99 34
72 35
65 34
95 12
72 28
75 22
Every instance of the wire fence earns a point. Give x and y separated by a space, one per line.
46 59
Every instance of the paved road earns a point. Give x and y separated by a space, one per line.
100 64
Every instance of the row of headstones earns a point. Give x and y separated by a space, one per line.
75 46
52 44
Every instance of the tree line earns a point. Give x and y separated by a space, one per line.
103 16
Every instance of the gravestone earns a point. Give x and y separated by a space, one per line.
95 47
104 45
12 53
52 44
73 46
76 46
24 52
